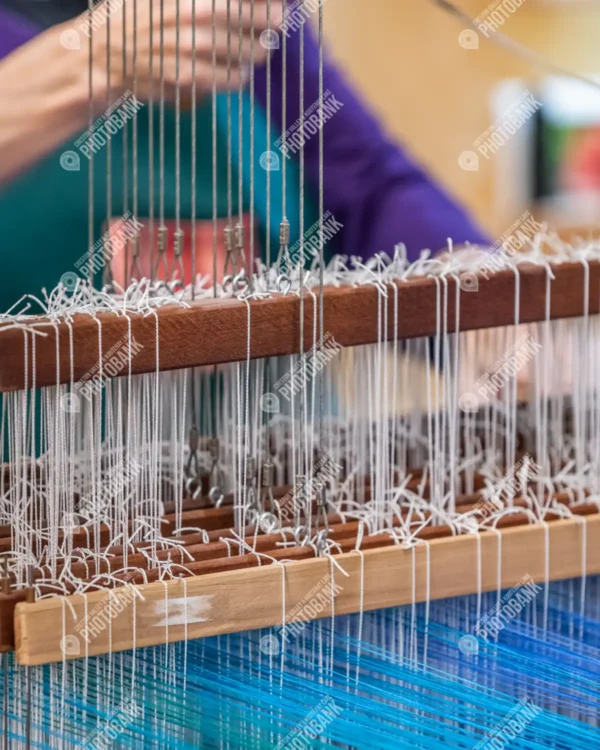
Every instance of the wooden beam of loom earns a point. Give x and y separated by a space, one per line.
215 331
247 599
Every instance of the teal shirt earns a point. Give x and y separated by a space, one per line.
44 212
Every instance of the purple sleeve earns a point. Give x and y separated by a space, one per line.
14 31
370 185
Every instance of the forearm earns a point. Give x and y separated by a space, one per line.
43 101
370 185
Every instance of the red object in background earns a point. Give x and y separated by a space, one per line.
582 167
148 258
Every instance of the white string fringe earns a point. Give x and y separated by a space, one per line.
89 486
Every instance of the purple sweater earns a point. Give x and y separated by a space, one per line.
371 186
14 31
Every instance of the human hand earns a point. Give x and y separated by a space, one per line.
172 28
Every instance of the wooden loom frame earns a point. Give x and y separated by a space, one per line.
250 598
212 332
247 599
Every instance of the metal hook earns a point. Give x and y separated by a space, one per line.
192 468
162 237
227 284
268 480
240 282
283 284
216 475
322 536
252 500
107 276
134 267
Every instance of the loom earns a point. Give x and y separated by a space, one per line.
310 486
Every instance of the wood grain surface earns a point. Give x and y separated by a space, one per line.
250 598
215 331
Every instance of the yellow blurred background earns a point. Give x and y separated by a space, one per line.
435 96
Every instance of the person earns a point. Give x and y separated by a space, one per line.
378 195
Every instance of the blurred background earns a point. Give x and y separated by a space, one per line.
438 97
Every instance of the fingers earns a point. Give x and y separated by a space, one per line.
204 13
200 12
203 47
181 19
204 76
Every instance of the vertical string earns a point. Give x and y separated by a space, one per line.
151 135
321 248
125 164
241 112
252 124
134 145
161 147
91 150
193 156
268 128
106 271
214 143
229 125
302 400
193 384
214 200
284 116
177 264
